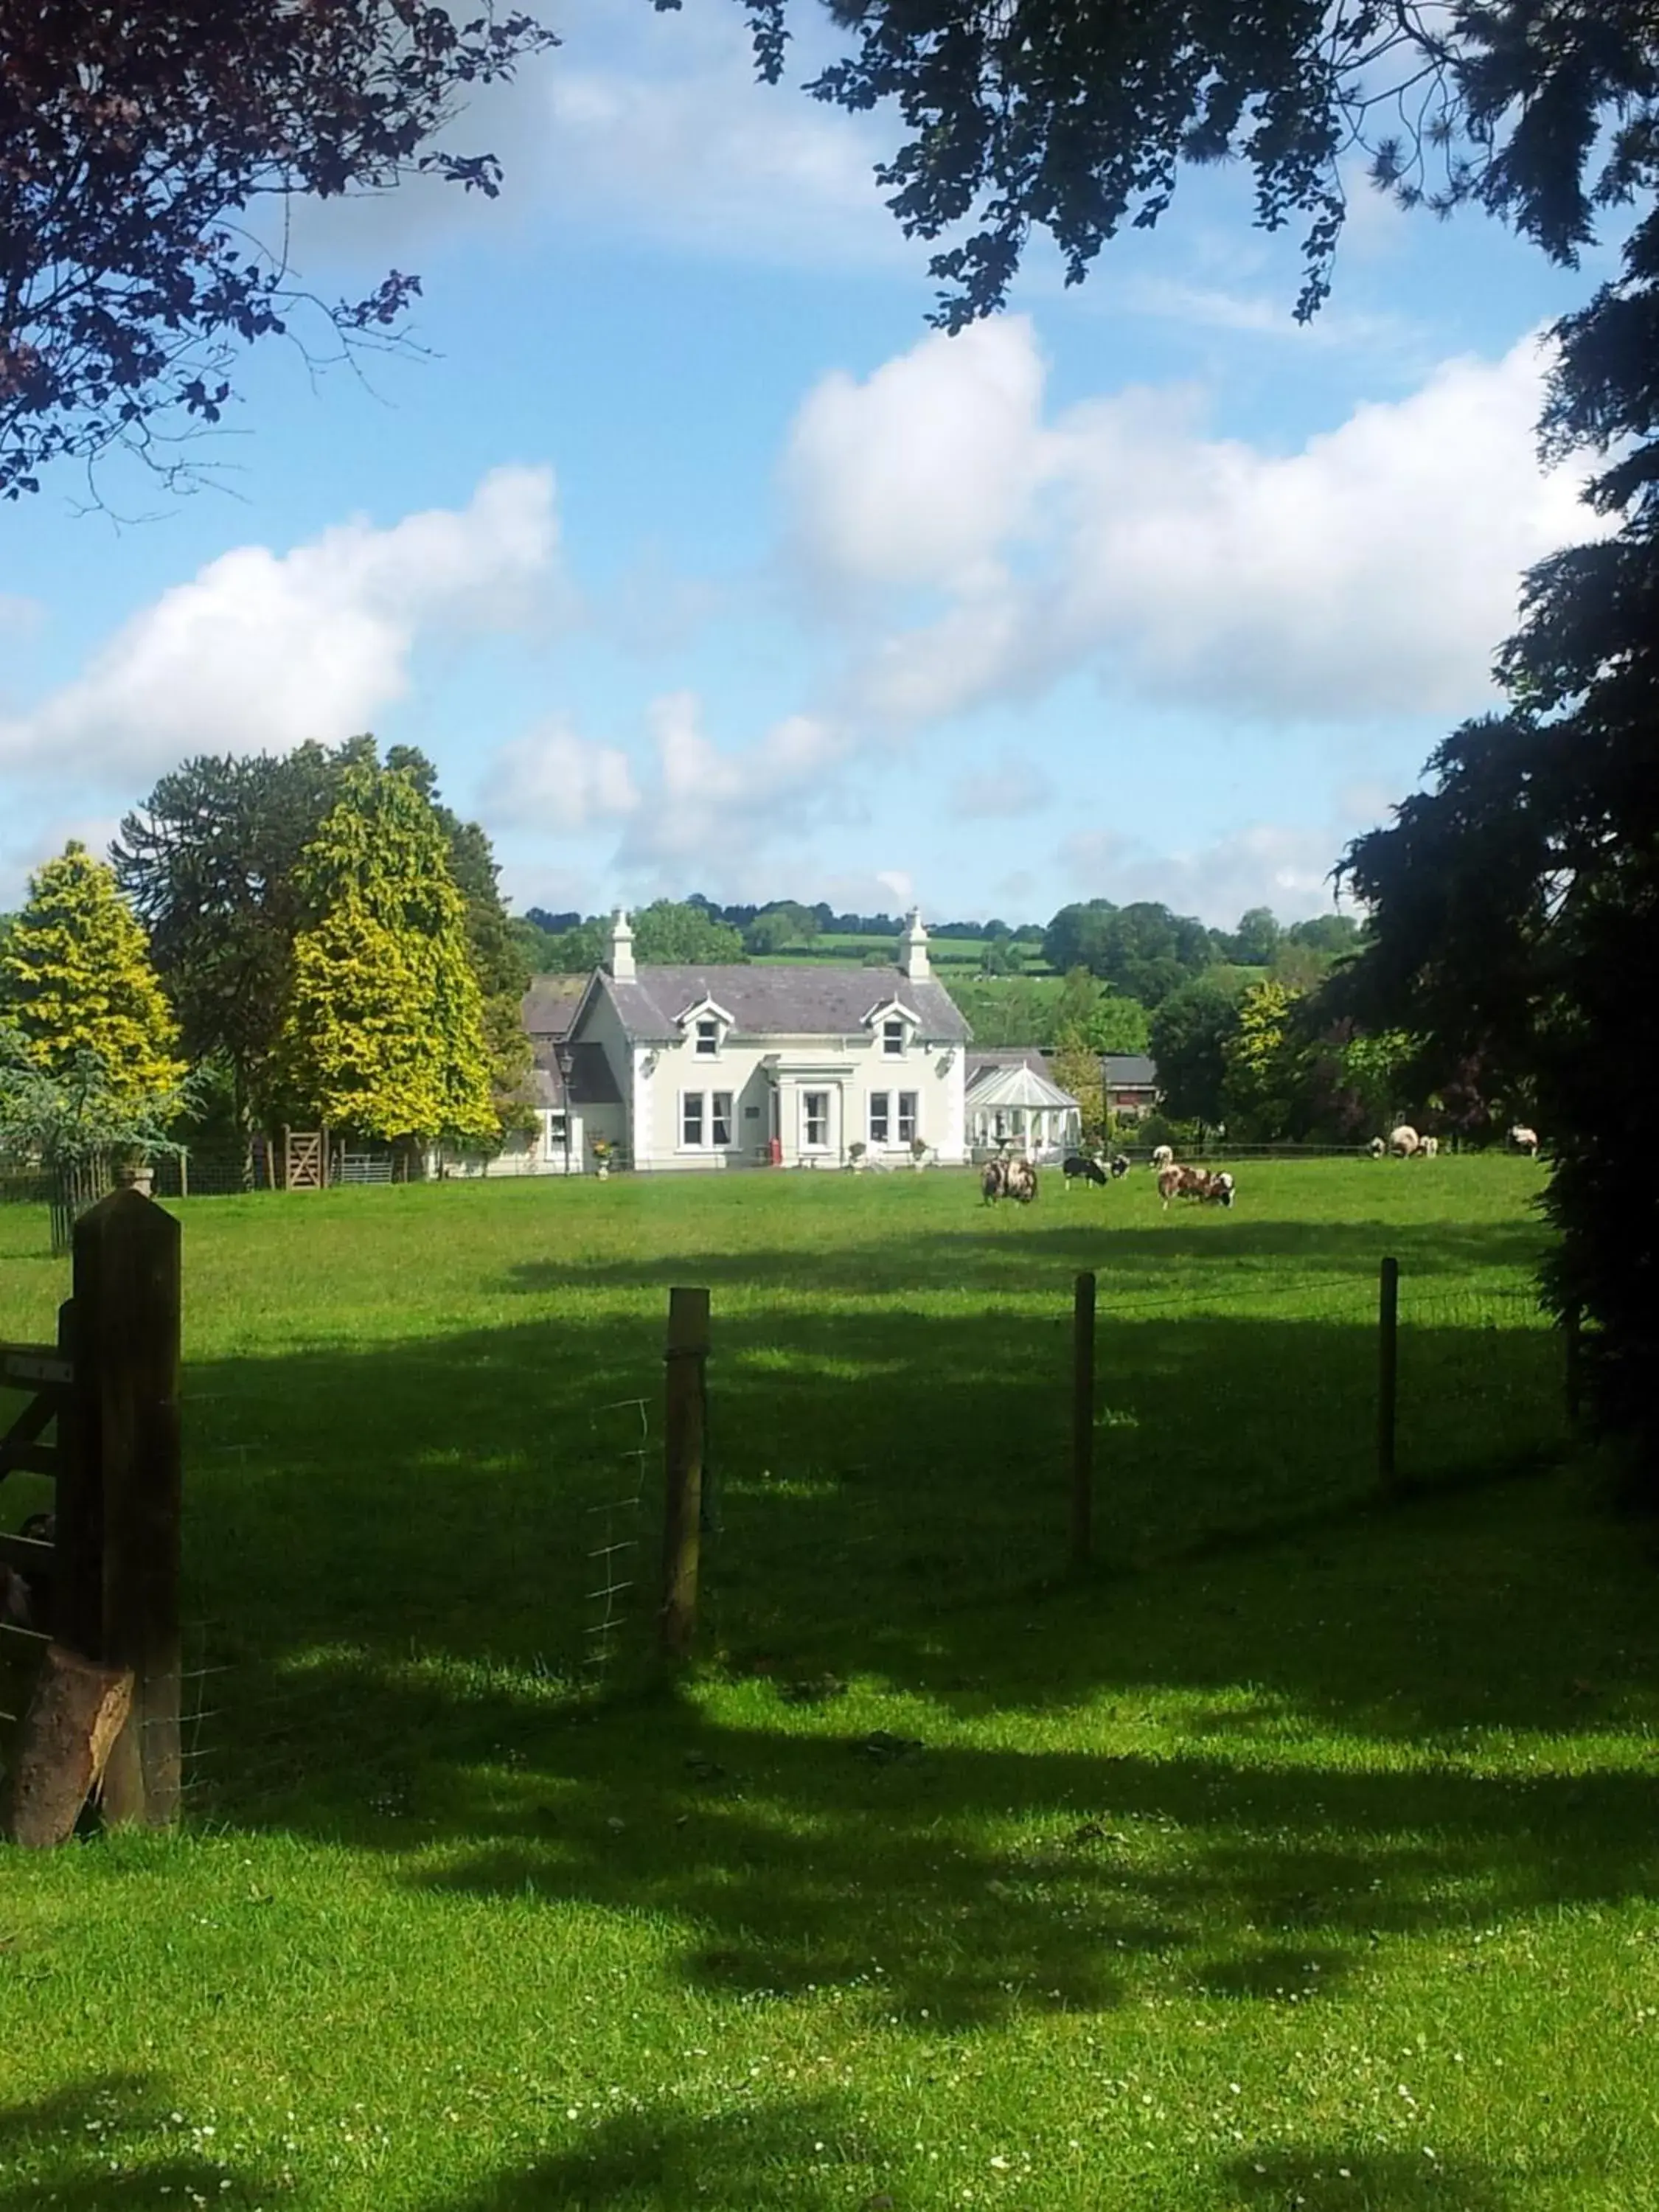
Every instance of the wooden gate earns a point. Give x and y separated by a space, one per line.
97 1587
305 1159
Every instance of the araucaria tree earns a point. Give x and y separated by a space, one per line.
385 1029
133 142
76 979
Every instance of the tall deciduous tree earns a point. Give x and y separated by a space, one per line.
1262 1093
133 142
210 861
1191 1031
385 1028
1044 115
78 982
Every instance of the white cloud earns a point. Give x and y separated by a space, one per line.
262 650
22 852
919 474
707 807
554 779
1371 573
1263 864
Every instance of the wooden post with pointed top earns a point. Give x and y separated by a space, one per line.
126 1322
684 1395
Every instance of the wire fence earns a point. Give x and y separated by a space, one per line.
880 1473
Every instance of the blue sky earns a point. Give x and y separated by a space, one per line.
698 562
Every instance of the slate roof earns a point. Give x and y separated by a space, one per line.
778 1001
549 1006
982 1057
1129 1070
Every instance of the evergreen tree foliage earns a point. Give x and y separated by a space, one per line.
77 982
498 951
385 1030
1191 1032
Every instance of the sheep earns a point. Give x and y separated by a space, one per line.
1020 1181
1428 1148
993 1181
1522 1140
1210 1189
1075 1169
1120 1166
1163 1156
1379 1146
1403 1141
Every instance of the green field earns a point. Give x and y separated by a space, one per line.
1304 1855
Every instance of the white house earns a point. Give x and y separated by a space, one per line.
746 1066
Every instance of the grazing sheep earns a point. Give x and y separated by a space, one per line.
1120 1166
993 1181
1403 1141
1379 1146
1209 1190
1522 1140
1162 1156
1428 1148
1076 1169
1020 1181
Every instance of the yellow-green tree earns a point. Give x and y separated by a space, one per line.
75 978
1262 1093
385 1034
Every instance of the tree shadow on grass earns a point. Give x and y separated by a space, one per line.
397 1551
809 2153
1012 1251
1346 2178
111 2144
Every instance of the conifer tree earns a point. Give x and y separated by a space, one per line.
77 976
385 1031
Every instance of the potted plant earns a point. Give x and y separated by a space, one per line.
602 1148
855 1152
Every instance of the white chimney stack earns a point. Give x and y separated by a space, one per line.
913 948
622 948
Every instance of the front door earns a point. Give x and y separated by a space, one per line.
815 1121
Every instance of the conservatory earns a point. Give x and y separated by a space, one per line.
1019 1110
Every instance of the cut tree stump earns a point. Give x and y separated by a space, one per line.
77 1710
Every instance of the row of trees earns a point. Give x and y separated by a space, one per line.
1147 951
314 936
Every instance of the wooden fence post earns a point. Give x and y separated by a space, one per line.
1388 1371
685 1384
1083 1422
126 1343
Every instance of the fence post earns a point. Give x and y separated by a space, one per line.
1083 1422
1387 1369
685 1383
126 1332
1572 1377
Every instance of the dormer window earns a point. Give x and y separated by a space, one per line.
708 1038
892 1038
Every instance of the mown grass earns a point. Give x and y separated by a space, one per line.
1305 1855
